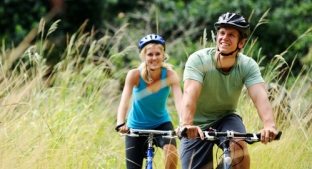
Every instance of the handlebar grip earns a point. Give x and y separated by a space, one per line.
277 137
182 133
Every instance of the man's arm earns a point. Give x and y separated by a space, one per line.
192 89
258 94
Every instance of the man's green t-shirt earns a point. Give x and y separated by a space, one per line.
220 91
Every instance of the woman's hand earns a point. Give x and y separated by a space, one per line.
122 128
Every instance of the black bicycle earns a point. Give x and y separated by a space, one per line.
227 137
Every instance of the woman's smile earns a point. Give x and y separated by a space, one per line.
154 57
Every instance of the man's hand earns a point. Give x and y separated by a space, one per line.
193 132
268 134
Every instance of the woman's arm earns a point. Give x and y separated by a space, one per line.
132 80
174 82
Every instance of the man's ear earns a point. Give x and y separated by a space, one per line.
216 37
241 44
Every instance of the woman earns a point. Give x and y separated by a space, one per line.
150 84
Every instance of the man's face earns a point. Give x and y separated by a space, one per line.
228 39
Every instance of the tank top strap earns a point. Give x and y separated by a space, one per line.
163 77
142 83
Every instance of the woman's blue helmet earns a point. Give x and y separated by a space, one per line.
151 38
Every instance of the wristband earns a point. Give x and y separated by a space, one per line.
118 126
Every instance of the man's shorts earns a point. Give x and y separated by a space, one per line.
199 153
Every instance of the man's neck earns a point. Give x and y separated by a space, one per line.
225 63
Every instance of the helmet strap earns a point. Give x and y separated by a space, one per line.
227 54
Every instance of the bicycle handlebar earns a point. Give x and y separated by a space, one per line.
215 135
144 132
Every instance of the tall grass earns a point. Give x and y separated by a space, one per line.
68 121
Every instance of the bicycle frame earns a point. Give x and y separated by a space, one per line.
228 136
150 152
227 160
150 148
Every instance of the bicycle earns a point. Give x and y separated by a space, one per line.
228 136
151 134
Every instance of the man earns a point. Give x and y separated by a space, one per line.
213 80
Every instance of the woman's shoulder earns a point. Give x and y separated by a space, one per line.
133 76
172 75
134 72
169 71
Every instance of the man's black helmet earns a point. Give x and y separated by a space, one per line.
149 39
233 20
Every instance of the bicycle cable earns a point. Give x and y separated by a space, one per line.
233 143
155 143
241 147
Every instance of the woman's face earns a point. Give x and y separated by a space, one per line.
154 57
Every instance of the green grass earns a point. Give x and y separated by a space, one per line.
68 121
71 126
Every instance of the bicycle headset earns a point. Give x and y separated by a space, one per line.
236 21
151 38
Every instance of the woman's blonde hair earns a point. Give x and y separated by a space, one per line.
143 66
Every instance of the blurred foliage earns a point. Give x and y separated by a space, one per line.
181 22
19 17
